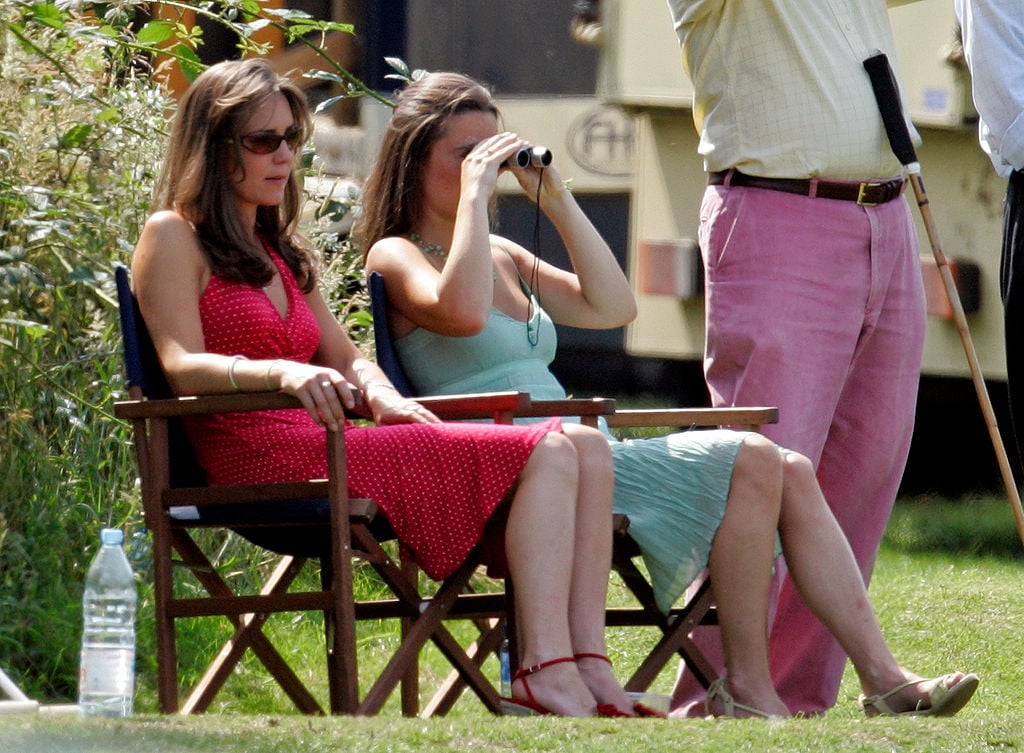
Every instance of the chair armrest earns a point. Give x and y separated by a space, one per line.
197 405
478 405
651 417
751 417
594 406
450 407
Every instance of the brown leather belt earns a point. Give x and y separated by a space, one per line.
867 193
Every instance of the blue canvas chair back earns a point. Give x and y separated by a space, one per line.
145 378
387 357
142 366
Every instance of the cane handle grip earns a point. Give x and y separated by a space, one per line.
887 94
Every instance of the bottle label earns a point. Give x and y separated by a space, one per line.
107 671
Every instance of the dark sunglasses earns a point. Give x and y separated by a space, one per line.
266 142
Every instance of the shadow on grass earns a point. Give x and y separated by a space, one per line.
971 525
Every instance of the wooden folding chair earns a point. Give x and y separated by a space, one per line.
315 519
675 626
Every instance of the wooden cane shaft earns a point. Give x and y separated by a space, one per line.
960 320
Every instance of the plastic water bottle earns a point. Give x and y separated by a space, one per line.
106 682
505 668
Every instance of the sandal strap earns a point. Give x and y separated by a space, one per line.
718 690
878 701
524 672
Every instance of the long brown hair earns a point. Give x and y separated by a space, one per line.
203 157
392 198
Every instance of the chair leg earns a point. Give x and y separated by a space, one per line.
675 628
455 684
166 647
676 640
428 625
341 680
343 668
248 634
410 682
492 631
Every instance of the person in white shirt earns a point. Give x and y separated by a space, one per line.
993 41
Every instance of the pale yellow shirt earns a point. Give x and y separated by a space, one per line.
780 89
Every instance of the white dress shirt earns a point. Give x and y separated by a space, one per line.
780 89
993 34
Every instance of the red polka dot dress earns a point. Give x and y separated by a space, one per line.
438 484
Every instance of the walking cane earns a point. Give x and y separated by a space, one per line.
887 94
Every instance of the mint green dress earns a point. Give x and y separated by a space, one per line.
673 488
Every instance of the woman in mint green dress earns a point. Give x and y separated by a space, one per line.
473 311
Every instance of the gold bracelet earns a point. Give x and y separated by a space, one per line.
231 371
266 377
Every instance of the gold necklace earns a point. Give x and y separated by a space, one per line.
430 249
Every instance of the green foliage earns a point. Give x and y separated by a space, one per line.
82 131
969 526
77 150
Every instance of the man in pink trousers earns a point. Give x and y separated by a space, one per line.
814 296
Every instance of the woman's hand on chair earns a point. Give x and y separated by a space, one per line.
389 407
323 392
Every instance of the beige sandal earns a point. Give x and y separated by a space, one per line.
945 700
716 690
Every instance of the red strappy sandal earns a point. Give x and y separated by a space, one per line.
639 709
529 706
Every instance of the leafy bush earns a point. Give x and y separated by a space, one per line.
78 152
82 126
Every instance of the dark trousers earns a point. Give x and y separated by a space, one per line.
1011 287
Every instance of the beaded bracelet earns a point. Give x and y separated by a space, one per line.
266 377
231 371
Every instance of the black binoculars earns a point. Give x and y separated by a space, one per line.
538 156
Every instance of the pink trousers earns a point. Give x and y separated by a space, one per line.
815 306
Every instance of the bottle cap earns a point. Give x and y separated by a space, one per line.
111 536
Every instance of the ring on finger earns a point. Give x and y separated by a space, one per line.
325 384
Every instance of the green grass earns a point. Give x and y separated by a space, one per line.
942 605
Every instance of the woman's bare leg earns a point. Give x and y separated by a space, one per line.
740 565
592 563
836 594
540 550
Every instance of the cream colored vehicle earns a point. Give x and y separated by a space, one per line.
641 73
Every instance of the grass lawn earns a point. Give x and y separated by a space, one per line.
941 610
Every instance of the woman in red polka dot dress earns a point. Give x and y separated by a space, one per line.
228 291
